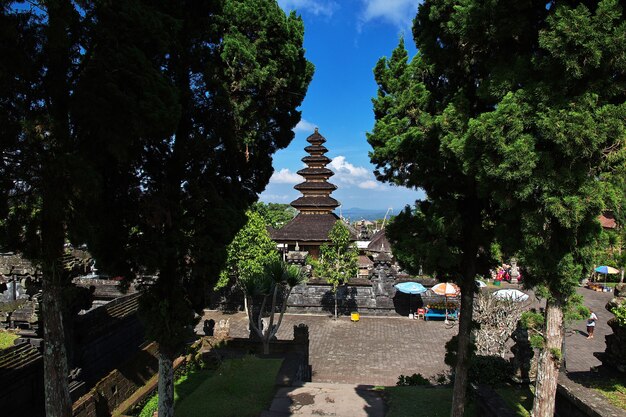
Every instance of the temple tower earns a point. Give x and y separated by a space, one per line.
315 189
309 229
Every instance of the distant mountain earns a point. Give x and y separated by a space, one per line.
356 213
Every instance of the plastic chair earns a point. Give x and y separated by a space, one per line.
421 312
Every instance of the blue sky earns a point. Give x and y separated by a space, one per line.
344 39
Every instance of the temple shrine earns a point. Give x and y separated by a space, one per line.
309 229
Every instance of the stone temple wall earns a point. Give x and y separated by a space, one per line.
374 296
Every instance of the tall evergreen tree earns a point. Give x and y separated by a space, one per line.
169 202
518 106
47 47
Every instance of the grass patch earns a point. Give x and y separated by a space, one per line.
7 339
519 399
613 389
421 402
239 388
183 386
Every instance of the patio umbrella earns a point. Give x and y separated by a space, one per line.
510 294
447 289
606 270
411 288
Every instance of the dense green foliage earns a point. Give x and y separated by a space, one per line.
184 385
275 215
412 380
248 253
7 339
338 260
242 387
512 118
620 314
145 129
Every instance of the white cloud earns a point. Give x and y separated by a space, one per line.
370 185
285 176
315 7
399 13
349 174
304 126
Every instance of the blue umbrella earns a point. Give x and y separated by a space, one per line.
606 270
411 288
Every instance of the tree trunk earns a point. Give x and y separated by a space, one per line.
549 361
461 368
266 346
57 393
166 385
336 305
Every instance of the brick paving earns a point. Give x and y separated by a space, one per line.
373 351
579 349
376 350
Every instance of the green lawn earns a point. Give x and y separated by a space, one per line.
183 386
7 339
519 399
421 402
239 388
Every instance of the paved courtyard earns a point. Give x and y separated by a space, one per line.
376 350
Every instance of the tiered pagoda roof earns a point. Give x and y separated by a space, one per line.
316 189
315 206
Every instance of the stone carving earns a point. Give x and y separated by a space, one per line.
514 273
222 329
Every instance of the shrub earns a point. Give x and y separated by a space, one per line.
620 314
490 370
150 407
413 380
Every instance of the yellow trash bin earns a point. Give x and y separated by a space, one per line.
354 316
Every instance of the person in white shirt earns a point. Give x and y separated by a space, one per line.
591 324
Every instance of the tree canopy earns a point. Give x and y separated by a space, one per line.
249 252
513 114
338 260
145 129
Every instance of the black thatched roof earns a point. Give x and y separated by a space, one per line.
313 149
315 171
308 228
379 242
311 202
317 186
316 159
316 138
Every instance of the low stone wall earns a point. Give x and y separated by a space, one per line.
574 400
118 385
369 298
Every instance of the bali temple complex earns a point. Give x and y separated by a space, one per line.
309 229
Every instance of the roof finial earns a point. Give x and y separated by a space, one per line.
315 129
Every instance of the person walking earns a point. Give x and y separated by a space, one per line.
591 324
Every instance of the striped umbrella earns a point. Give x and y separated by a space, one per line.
447 289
